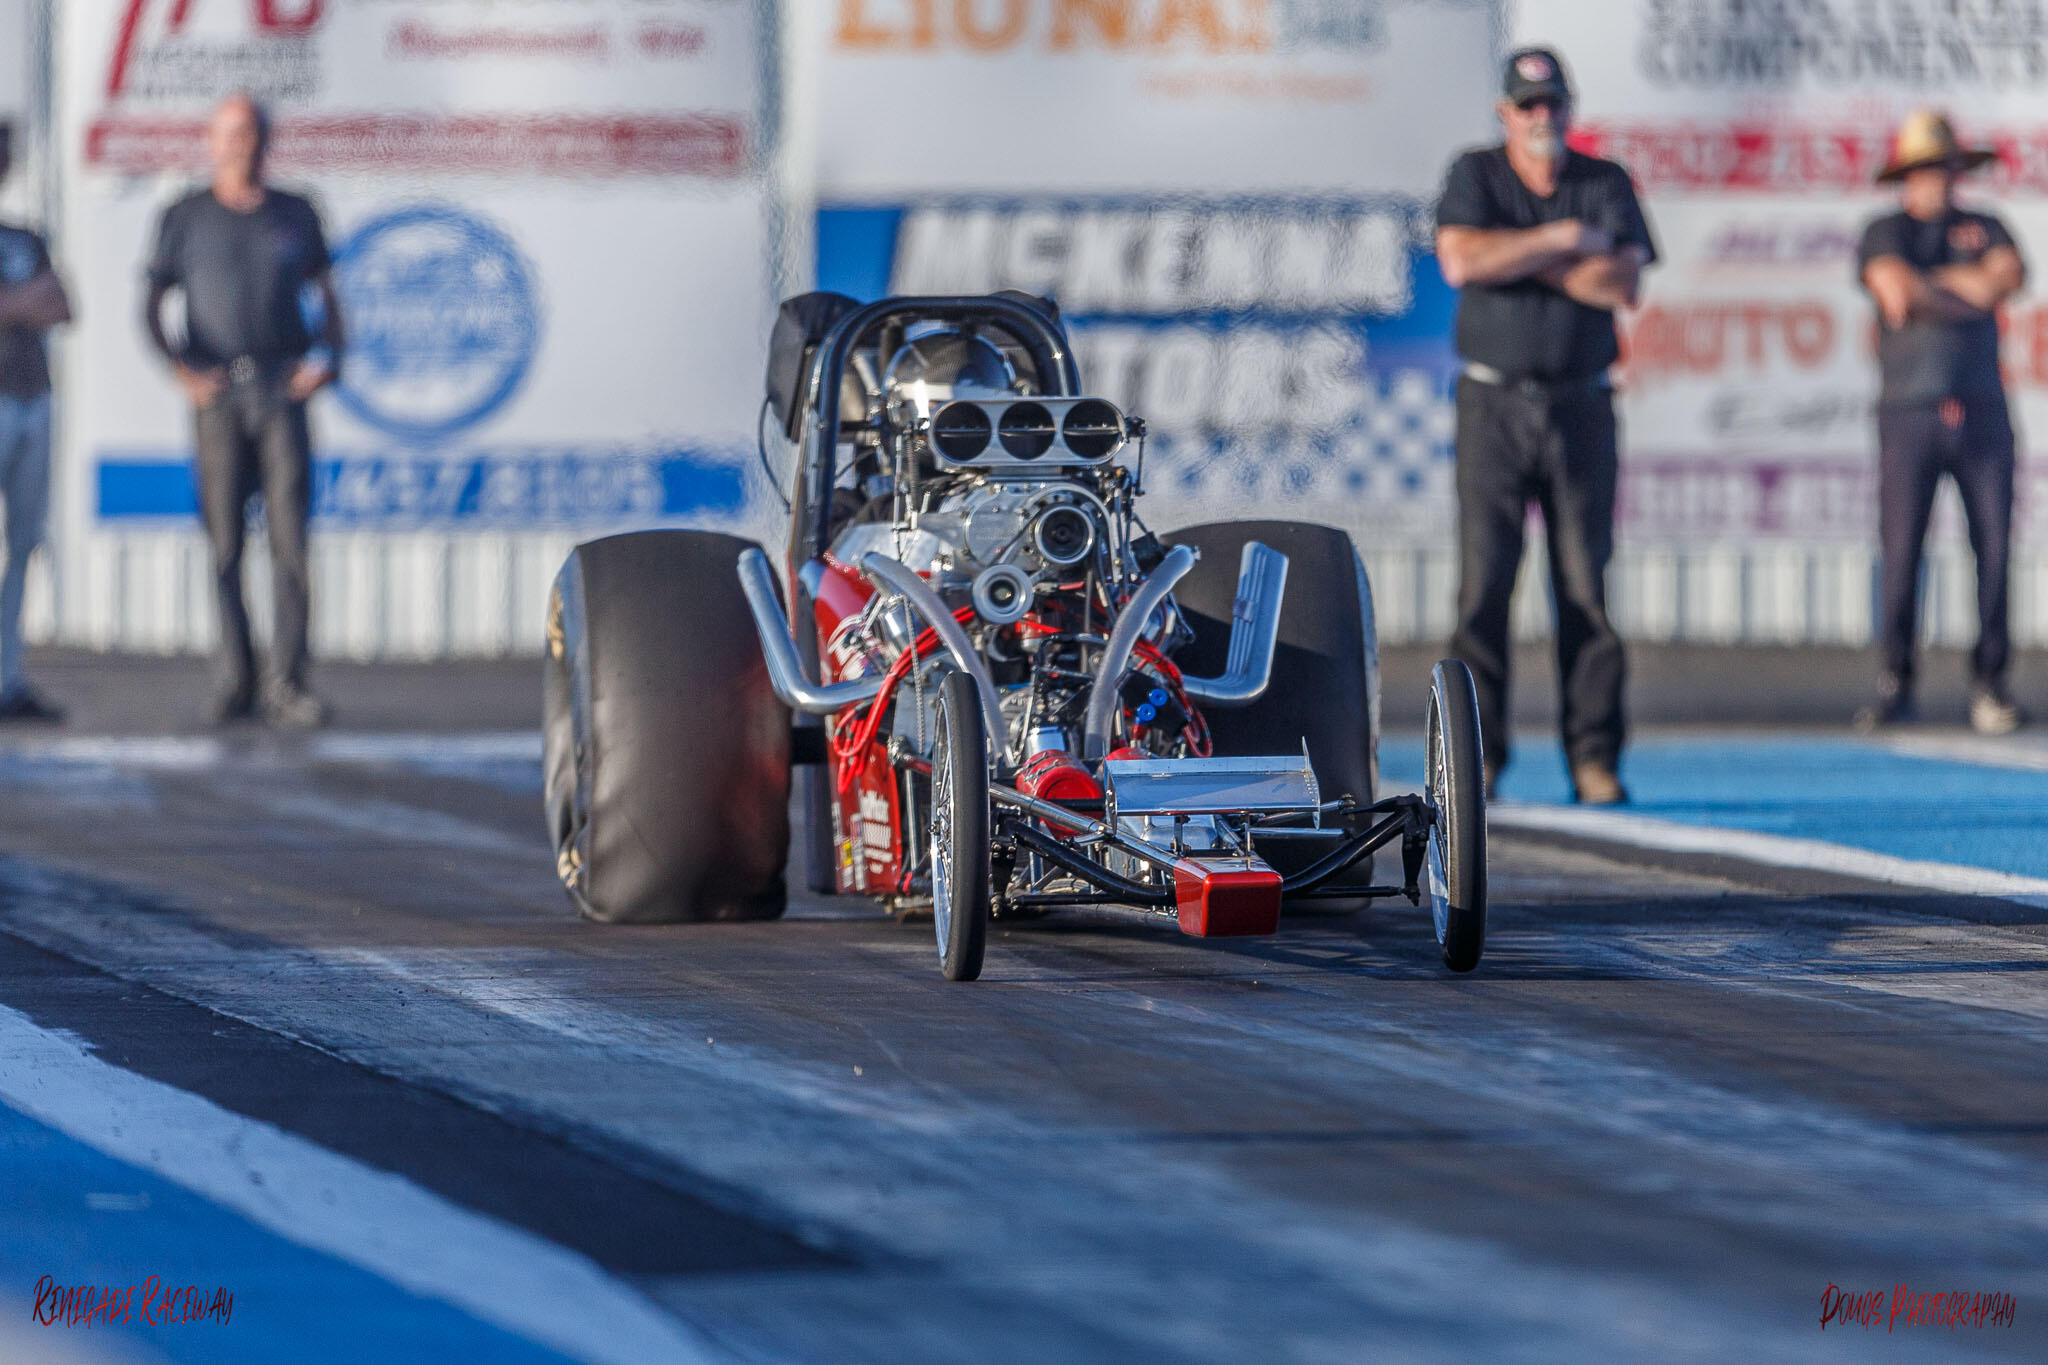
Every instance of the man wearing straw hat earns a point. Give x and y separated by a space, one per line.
1938 274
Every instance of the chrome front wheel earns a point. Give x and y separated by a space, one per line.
1454 786
958 831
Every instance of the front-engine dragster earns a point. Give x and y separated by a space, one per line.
1009 695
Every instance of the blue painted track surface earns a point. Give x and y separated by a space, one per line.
1839 789
290 1303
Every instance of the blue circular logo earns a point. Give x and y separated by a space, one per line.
442 321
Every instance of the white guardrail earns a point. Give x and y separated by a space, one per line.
433 595
1719 594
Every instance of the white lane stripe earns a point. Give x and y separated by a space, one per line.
315 1198
2020 755
168 753
484 746
199 753
1773 850
402 823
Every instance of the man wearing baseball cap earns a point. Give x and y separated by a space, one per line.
1938 274
1544 244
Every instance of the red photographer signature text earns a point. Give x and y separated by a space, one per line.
151 1303
1905 1307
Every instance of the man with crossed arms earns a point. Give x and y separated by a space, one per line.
1544 244
1938 273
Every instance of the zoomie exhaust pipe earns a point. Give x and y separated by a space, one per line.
786 673
1116 656
1254 631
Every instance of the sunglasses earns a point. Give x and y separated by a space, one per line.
1555 105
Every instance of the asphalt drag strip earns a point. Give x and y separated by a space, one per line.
332 1260
1673 1106
597 1207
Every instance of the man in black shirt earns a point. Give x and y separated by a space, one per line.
1544 244
244 254
1938 274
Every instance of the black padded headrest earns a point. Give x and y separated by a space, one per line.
1038 301
800 324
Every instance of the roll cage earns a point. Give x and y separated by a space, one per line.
1031 324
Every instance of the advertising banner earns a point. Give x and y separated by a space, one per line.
19 197
555 233
14 59
1754 133
1231 201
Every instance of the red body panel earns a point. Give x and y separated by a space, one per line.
870 827
1226 897
842 595
867 823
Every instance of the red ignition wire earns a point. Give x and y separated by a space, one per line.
1197 731
851 740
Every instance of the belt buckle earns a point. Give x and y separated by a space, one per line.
242 370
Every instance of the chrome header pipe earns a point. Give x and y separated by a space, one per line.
786 672
1116 656
902 580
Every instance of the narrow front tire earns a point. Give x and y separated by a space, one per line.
959 829
1454 784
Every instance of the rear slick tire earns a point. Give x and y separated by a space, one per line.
665 753
1454 784
958 833
1325 691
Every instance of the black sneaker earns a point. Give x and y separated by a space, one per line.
293 708
1893 706
24 705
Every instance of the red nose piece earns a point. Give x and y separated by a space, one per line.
1226 897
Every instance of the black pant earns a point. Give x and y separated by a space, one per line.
1557 447
1915 448
253 437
